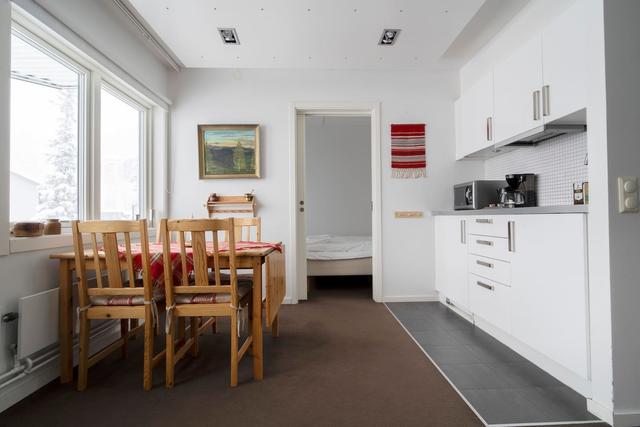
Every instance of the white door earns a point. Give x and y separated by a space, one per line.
301 226
564 54
517 83
451 259
549 287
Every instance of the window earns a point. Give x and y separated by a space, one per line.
121 137
61 166
46 92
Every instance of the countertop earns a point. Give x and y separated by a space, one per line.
571 209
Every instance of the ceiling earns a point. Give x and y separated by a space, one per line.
321 34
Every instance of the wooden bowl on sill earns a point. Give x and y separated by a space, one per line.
28 229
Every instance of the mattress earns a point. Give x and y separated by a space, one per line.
329 248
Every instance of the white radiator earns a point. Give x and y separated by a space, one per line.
37 322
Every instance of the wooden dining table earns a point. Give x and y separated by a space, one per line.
246 258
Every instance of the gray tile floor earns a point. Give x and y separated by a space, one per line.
502 386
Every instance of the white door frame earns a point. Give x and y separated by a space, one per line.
297 262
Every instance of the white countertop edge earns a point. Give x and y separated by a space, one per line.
540 210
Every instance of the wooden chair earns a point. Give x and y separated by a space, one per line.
118 298
199 297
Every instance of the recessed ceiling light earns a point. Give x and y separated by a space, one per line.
388 37
229 35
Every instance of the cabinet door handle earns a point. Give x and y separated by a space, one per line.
484 221
489 129
545 100
511 231
484 263
536 105
484 242
463 231
484 285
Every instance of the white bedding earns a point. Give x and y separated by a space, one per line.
328 248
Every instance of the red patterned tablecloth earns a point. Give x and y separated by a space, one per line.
157 261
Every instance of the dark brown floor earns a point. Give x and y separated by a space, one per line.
341 360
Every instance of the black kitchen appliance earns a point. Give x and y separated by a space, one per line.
476 194
520 191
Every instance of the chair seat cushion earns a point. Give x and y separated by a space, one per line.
220 297
125 300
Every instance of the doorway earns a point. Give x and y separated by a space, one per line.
303 115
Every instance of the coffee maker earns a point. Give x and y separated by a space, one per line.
520 192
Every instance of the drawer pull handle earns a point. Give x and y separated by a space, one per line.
484 221
484 264
484 285
484 242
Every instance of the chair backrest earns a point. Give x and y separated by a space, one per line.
114 251
246 229
197 254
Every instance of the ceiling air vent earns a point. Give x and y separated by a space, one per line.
388 37
229 35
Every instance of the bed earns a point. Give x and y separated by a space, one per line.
339 255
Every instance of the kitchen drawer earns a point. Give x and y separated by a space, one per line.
499 271
490 301
496 226
490 247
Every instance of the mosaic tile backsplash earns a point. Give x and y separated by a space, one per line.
558 163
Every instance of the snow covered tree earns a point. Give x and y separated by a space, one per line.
58 194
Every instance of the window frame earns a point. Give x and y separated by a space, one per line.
84 100
95 77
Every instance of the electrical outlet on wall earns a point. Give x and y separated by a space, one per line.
628 194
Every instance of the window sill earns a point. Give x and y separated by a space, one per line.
39 243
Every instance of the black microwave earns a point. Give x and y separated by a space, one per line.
476 194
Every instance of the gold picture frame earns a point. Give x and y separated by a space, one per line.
229 151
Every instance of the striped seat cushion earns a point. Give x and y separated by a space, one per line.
125 300
220 297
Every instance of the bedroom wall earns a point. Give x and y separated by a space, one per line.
338 175
263 96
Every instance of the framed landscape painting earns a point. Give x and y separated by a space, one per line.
229 151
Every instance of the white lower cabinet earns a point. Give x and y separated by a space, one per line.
451 266
525 275
549 276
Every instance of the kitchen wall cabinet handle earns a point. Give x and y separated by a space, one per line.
489 124
511 232
463 231
484 242
545 100
536 105
484 285
484 221
484 263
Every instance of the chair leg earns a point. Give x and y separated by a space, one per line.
234 348
148 349
169 357
124 334
83 356
195 326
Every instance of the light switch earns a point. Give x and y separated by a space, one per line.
628 194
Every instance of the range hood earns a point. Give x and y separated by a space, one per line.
539 134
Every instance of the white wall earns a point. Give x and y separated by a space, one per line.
263 96
622 55
338 175
23 274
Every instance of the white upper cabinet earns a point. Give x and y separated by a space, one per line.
476 115
518 91
564 53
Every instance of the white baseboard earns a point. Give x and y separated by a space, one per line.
411 298
626 419
600 411
30 383
288 300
